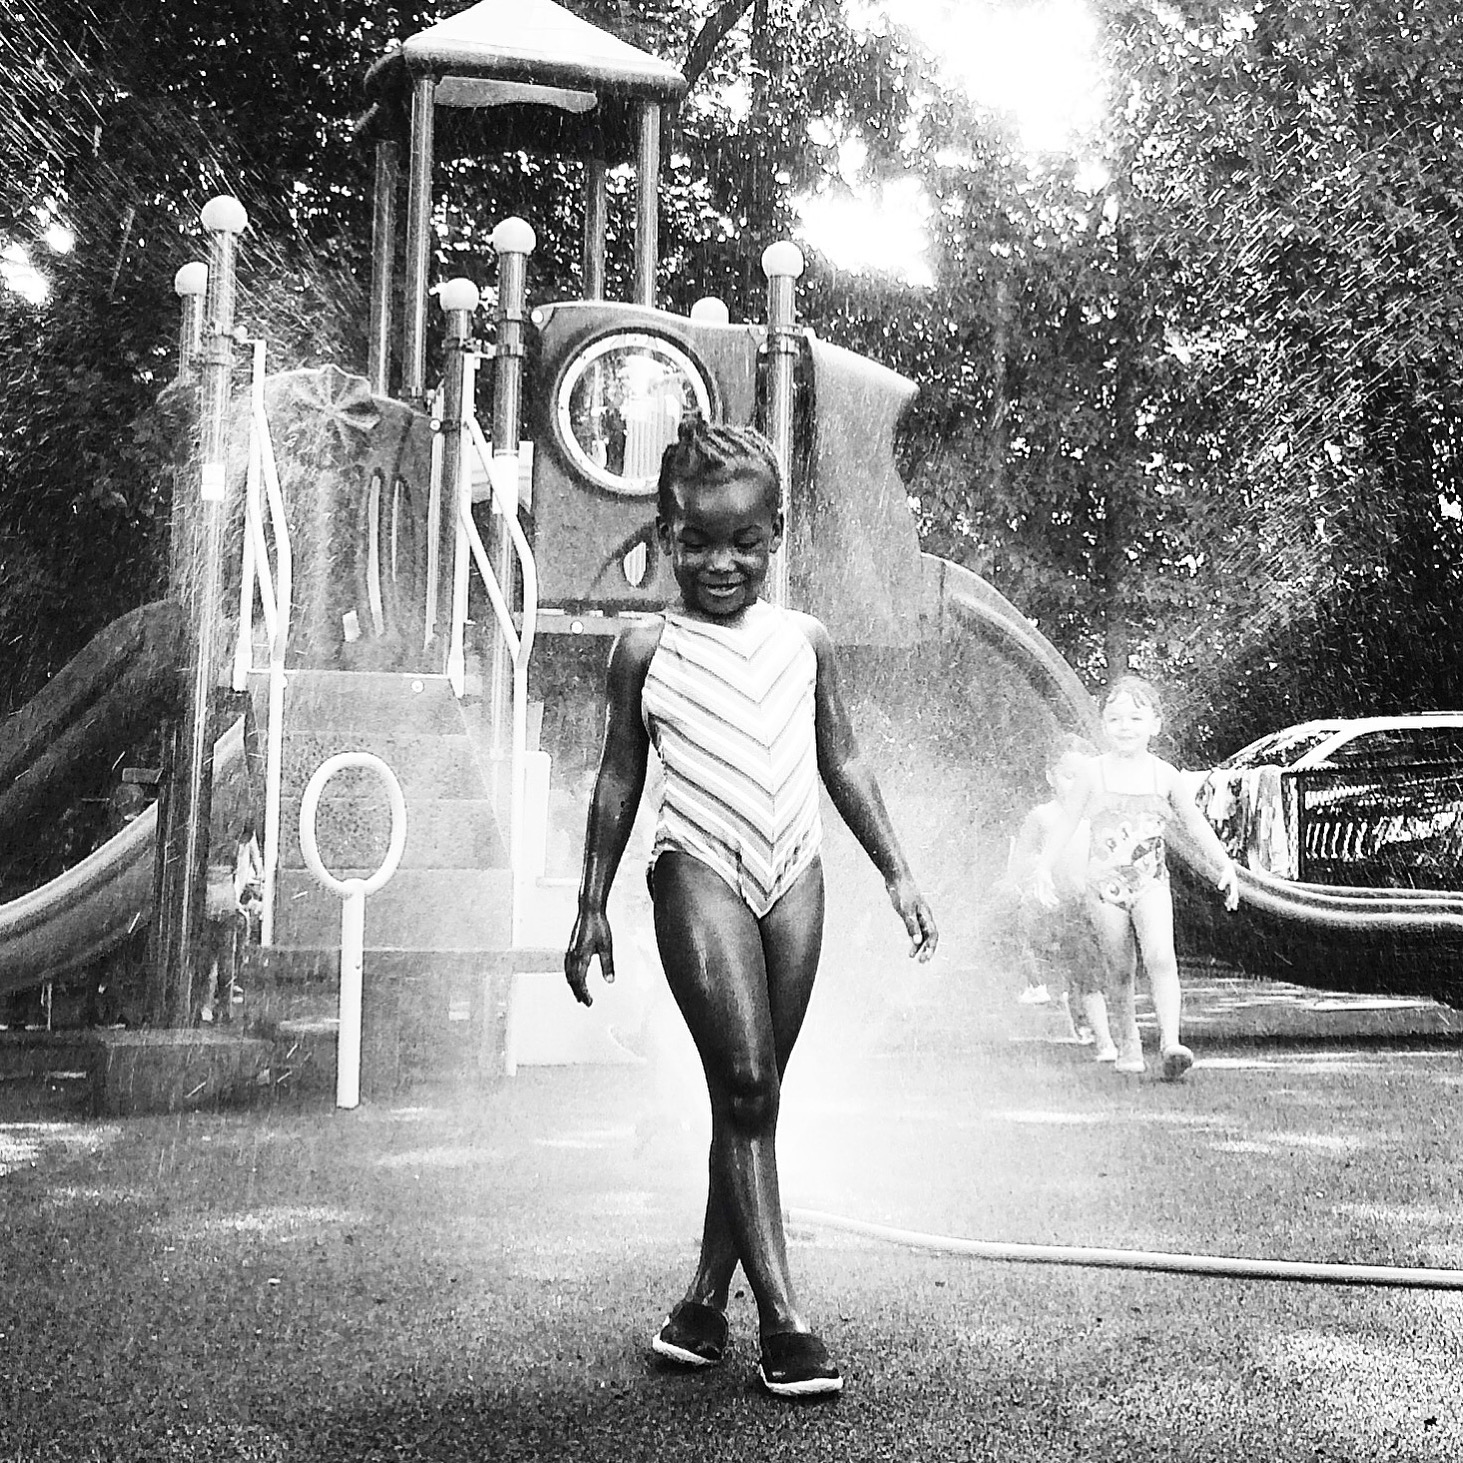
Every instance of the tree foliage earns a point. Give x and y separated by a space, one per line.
1197 418
1304 157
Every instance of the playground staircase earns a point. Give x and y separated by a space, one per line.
449 994
438 945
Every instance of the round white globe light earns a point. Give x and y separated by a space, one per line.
711 310
458 294
191 279
225 215
782 260
514 236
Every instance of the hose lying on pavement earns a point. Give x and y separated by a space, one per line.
1235 1267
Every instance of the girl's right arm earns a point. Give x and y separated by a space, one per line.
612 806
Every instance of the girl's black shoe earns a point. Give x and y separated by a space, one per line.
693 1335
797 1364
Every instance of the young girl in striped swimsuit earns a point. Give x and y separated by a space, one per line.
740 699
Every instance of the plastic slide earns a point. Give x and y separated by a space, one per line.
111 693
96 904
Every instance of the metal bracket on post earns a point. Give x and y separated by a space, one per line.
353 909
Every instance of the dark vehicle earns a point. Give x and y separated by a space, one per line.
1349 836
1369 802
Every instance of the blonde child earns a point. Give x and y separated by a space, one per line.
741 700
1130 797
1056 947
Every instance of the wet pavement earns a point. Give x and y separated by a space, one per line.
464 1274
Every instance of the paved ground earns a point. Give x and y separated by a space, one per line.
474 1275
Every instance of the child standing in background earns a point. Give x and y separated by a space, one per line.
740 699
1130 797
1055 943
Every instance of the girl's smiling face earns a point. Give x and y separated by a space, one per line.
1129 724
720 539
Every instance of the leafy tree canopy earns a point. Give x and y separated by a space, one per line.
1189 403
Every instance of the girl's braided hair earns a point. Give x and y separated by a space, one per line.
712 452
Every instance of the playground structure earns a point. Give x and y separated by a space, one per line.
361 568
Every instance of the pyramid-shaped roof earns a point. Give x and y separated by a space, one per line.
534 42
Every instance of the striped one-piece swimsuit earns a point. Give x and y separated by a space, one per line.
729 708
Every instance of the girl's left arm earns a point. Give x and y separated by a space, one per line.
1196 825
855 793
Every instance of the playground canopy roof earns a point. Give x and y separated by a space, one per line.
557 83
532 41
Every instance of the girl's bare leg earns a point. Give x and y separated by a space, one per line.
1153 924
1094 1008
792 938
743 988
1114 931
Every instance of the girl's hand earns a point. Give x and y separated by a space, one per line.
917 917
1228 885
1045 889
591 937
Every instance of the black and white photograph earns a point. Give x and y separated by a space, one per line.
731 729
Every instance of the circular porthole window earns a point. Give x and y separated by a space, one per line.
620 404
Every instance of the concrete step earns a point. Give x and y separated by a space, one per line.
125 1073
441 833
440 766
305 966
427 1015
367 701
452 909
412 1032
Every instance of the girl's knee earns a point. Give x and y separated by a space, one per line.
748 1099
1161 968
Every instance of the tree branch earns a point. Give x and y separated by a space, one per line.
710 36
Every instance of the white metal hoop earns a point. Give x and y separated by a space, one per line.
340 762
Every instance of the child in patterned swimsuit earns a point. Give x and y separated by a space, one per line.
1130 797
1054 945
740 699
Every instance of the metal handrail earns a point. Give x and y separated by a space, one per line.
275 592
434 523
519 640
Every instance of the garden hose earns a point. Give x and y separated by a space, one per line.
1220 1266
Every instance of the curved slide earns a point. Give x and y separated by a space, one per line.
1394 940
109 695
967 604
96 904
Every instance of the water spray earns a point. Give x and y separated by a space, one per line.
1232 1267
